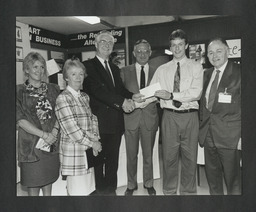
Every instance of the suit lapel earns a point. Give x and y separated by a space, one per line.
223 82
104 73
207 77
225 78
134 77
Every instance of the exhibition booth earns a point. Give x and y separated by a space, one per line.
56 48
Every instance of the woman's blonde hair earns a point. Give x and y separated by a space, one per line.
29 61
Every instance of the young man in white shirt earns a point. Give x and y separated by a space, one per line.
181 81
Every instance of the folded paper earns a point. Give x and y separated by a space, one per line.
150 90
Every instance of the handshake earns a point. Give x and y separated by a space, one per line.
129 104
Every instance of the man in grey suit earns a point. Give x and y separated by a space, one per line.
220 120
142 123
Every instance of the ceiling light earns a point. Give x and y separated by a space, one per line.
89 19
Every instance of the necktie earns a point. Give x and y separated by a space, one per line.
176 85
142 78
107 69
213 90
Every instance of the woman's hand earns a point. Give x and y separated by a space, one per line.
95 153
97 146
49 138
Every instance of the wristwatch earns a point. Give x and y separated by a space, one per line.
171 97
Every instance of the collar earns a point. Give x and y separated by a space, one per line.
182 61
222 68
101 59
73 92
138 66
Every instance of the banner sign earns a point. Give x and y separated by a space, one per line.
42 36
234 48
87 38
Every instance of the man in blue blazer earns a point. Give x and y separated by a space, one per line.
220 120
108 100
140 125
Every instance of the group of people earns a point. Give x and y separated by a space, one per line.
102 102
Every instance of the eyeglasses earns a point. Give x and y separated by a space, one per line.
142 52
104 42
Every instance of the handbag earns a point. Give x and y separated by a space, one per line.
92 160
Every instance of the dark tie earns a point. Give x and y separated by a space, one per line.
213 90
176 85
142 78
107 69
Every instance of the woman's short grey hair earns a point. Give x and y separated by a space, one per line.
73 62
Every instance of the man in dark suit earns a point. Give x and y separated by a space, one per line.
220 120
140 125
108 99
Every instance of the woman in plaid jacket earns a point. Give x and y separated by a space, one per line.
78 131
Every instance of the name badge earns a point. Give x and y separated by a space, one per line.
225 97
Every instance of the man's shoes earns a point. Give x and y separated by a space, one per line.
129 192
110 191
151 191
94 193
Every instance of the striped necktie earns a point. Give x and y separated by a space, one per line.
176 85
213 90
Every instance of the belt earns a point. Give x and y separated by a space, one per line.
181 111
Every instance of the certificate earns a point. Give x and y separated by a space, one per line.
150 90
52 67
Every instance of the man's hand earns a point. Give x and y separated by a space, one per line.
146 102
163 94
138 97
128 106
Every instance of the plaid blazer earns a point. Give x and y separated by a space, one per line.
78 128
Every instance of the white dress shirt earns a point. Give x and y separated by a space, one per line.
75 93
102 62
191 83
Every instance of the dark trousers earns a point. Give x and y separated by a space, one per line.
106 174
219 164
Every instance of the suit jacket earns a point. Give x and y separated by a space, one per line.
225 118
149 113
105 99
